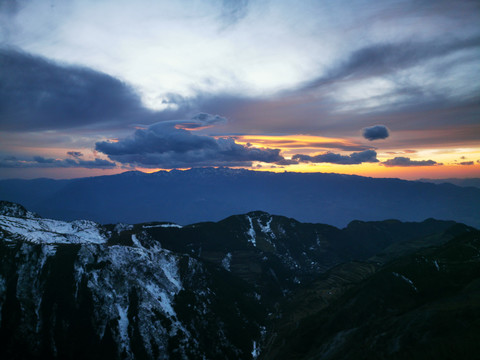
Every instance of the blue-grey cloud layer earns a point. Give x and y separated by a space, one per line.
369 156
165 145
36 94
405 161
41 162
385 58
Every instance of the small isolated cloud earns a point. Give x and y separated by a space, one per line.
167 145
405 161
352 159
75 154
376 132
41 162
466 163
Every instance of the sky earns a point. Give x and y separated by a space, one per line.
374 88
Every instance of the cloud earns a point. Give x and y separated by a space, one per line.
198 122
166 145
383 58
466 163
352 159
75 154
41 162
37 94
405 161
287 162
375 132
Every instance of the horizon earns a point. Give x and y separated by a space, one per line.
370 88
64 176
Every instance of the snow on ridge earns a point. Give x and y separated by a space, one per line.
122 227
8 208
48 231
163 226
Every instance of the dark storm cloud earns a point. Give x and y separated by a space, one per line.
41 162
167 146
36 94
353 158
376 132
405 161
378 59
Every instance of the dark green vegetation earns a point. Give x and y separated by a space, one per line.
247 285
425 305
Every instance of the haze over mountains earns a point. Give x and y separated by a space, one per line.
209 194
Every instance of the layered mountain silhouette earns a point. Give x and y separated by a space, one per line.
208 194
251 286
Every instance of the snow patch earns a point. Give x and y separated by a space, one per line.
255 351
123 323
406 279
135 241
226 261
251 233
267 229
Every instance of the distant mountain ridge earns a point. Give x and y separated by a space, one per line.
474 182
209 194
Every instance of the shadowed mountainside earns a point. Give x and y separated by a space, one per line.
250 285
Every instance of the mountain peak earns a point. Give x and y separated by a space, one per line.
8 208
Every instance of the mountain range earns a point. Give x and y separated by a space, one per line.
210 194
251 286
467 182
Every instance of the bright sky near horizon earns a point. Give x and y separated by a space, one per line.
376 88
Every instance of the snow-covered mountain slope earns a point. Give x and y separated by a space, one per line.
47 231
19 224
65 292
